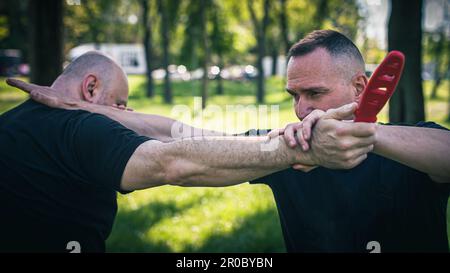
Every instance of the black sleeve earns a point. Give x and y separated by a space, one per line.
425 124
265 179
430 124
255 132
103 148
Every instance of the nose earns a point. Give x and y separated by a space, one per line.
303 108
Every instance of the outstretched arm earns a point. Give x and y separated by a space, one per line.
162 128
424 149
210 161
159 127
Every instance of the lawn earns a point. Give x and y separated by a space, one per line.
241 218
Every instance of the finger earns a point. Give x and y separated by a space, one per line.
309 122
44 99
303 168
122 107
358 160
275 133
306 131
364 150
364 141
130 109
358 129
301 140
344 112
360 152
27 87
351 142
289 136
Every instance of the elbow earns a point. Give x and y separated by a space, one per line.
181 172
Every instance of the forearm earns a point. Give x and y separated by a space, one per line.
225 161
424 149
161 128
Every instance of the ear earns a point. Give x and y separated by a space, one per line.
89 88
359 83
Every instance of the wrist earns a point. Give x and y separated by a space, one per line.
379 134
301 157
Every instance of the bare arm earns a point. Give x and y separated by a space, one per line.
159 127
162 128
210 161
424 149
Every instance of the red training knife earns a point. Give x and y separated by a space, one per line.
380 88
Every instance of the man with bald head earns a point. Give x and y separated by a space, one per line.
95 78
60 170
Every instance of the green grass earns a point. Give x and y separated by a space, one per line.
241 218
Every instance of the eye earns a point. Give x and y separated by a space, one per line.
314 94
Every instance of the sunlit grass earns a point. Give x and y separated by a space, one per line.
238 218
9 98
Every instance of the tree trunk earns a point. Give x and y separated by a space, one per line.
405 34
147 24
321 13
17 38
260 30
274 61
437 52
46 40
219 77
437 83
94 30
259 66
448 104
205 62
284 26
165 45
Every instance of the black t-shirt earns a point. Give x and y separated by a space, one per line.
343 210
59 173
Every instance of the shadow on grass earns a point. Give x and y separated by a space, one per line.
131 226
259 232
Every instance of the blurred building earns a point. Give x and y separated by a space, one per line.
130 56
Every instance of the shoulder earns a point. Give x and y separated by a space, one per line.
424 124
91 123
430 124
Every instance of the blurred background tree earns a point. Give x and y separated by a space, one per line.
405 34
46 33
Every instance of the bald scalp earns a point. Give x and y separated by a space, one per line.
92 62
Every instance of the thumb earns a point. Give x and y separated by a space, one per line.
27 87
344 112
44 99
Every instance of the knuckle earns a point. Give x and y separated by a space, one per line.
343 146
348 165
371 128
341 130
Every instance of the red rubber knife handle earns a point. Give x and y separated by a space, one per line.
380 87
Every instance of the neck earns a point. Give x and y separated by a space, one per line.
67 87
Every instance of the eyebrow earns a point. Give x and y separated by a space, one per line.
317 89
121 102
